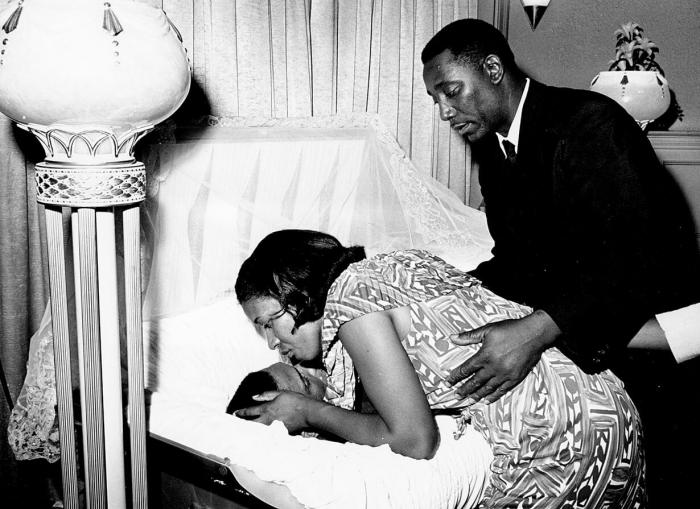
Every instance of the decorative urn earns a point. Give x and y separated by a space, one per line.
644 94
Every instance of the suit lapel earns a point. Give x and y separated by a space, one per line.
539 136
530 125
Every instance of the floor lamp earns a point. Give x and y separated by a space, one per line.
89 79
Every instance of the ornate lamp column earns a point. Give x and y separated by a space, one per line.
89 79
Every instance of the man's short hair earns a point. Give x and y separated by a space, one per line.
253 384
470 41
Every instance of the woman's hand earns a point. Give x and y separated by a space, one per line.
289 407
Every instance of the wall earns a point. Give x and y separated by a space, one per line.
574 41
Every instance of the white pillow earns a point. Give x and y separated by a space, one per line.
203 353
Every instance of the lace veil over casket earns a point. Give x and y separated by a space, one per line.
214 192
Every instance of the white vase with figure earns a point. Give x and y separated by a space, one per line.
644 94
634 78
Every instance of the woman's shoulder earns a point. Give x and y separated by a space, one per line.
398 278
426 266
390 268
366 276
414 259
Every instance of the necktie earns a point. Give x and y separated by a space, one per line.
510 151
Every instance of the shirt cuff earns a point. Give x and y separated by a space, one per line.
682 329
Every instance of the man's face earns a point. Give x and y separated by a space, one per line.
296 379
468 98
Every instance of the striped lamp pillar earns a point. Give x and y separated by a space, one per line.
88 79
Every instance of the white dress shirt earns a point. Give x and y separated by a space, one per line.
514 131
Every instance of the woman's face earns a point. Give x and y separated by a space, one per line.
276 325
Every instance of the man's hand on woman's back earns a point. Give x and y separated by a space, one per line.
509 351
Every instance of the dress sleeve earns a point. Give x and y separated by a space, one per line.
382 282
349 297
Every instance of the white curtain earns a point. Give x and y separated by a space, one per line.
297 58
23 293
217 192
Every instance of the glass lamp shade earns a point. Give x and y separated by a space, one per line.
644 94
59 65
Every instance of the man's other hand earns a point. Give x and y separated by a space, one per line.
509 351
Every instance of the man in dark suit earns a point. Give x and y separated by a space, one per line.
590 230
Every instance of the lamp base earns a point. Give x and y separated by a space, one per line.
643 124
90 185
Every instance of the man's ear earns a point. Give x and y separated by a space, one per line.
493 68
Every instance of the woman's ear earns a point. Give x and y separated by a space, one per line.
493 68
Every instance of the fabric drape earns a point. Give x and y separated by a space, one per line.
297 58
214 193
23 285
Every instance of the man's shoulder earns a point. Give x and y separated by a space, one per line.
562 107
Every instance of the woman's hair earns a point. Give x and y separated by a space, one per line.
296 267
470 41
253 383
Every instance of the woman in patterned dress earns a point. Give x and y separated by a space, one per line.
561 438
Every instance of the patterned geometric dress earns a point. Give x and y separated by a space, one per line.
561 438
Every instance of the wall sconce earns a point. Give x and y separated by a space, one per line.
535 10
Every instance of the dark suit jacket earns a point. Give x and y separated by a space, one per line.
588 225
